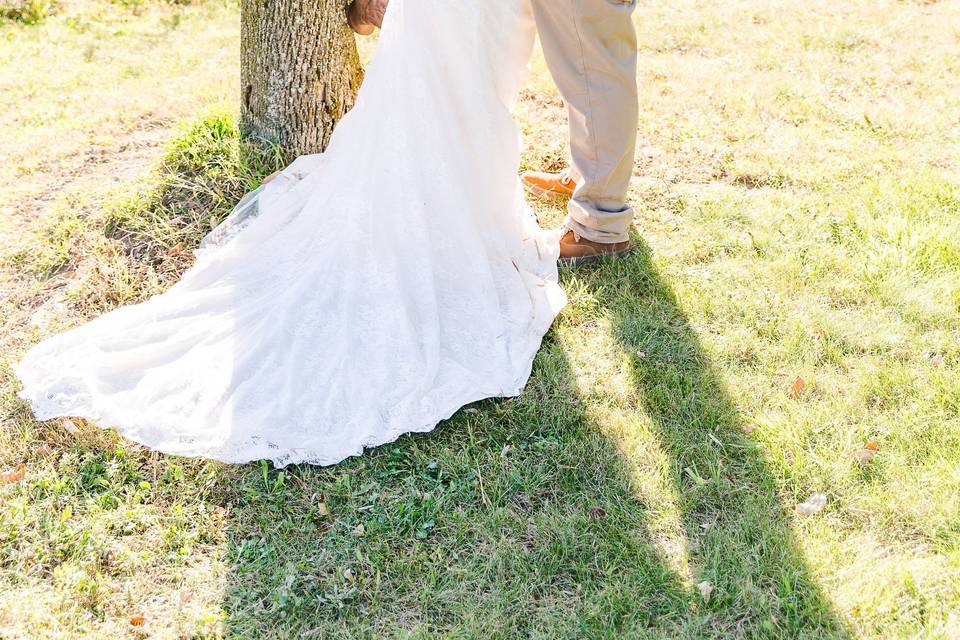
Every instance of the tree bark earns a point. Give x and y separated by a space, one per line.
300 72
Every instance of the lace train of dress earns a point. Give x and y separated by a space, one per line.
368 292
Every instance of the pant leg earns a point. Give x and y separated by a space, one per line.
591 50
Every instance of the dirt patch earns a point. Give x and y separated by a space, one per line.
25 300
91 171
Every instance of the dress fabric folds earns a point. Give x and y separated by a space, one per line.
368 292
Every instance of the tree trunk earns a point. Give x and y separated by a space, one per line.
300 72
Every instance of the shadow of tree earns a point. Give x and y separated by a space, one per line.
521 518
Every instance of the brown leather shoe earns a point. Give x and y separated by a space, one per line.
364 16
549 185
575 250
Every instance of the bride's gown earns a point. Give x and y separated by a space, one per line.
368 292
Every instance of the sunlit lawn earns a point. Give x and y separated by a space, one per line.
798 197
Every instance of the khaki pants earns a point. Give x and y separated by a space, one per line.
591 50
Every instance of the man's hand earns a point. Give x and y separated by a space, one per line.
365 15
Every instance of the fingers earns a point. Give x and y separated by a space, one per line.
377 9
367 14
355 18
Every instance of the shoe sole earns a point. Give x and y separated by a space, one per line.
545 194
576 262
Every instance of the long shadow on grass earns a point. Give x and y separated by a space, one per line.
737 530
520 518
515 519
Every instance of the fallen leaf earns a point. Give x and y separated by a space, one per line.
175 250
137 621
814 504
706 590
641 354
505 451
185 597
219 511
359 531
796 389
9 477
322 509
868 453
597 512
348 575
70 426
44 450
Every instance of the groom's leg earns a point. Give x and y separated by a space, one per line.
591 50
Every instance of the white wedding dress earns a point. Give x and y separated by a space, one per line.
368 292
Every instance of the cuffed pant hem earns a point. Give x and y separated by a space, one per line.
609 227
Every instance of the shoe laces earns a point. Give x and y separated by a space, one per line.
565 177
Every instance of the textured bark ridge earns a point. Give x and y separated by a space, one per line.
300 72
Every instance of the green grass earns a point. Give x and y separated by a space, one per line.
25 11
798 196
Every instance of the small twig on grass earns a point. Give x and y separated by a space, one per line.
483 494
